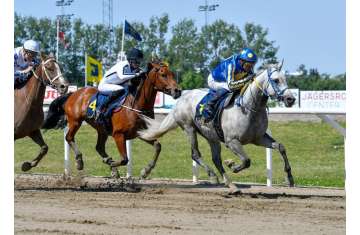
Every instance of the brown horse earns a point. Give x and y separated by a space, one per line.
28 104
125 123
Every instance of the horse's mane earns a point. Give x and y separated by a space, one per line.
265 67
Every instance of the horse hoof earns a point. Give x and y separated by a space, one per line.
229 162
115 173
26 166
143 174
124 162
214 180
79 165
290 181
234 191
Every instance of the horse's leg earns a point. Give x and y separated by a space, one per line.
100 148
196 155
268 142
237 148
215 147
70 138
147 170
121 145
216 158
37 138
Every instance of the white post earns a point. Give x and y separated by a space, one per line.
195 170
269 163
67 154
129 164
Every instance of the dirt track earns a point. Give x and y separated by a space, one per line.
48 205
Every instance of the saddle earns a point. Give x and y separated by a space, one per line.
223 103
99 98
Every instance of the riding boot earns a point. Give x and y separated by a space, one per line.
102 107
209 108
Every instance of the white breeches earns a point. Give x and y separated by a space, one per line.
216 85
103 87
110 83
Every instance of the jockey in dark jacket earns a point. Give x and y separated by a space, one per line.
116 79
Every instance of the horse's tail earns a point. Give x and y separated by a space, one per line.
156 129
56 112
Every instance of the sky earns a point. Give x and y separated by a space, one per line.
308 32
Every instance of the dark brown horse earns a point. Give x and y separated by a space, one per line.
28 104
125 123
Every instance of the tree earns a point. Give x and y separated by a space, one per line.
192 53
312 80
192 80
183 53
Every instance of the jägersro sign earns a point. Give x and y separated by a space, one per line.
323 99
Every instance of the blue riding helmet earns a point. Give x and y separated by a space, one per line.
248 55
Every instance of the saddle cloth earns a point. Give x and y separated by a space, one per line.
222 103
97 99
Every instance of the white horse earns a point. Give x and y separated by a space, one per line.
243 122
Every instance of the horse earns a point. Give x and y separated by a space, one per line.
125 122
242 123
28 104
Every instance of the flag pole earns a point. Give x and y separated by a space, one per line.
85 69
57 38
123 37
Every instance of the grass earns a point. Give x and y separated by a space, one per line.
315 152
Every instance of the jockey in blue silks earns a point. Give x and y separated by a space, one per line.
25 59
230 75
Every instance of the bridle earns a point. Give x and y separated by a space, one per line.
279 93
48 80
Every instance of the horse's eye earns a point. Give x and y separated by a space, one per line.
277 81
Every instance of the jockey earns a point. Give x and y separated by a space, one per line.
115 79
230 75
25 59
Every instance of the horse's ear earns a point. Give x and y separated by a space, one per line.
42 55
149 66
51 55
280 65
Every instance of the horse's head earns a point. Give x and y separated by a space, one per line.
163 79
51 74
273 84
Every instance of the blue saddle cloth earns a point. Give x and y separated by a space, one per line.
219 107
99 98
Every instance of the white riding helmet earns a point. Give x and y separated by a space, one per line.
32 45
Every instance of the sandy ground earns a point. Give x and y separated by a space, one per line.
48 204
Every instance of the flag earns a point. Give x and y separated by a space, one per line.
61 36
131 31
93 70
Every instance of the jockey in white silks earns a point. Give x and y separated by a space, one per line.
25 59
116 79
230 75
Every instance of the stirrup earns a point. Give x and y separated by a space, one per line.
203 120
97 115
